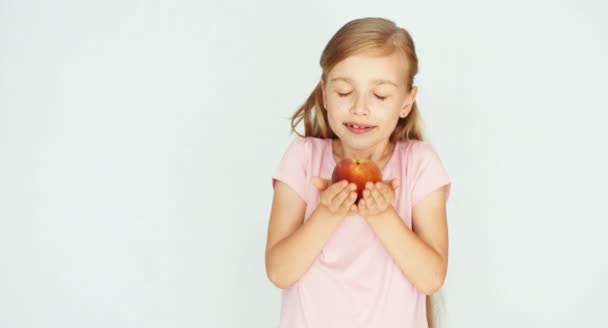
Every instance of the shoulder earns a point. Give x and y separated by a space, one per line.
420 158
307 147
299 161
419 147
416 151
307 142
424 169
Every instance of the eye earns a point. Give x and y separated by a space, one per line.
380 97
344 94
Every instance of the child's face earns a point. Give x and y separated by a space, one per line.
371 91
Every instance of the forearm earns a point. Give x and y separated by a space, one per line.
287 261
420 263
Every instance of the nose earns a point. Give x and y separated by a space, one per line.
360 106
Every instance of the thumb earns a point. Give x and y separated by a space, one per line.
319 183
394 183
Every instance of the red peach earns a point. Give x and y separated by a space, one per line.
357 171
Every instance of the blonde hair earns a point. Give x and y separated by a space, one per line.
375 36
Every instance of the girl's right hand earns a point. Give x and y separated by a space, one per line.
338 198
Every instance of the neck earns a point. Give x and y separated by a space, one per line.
378 153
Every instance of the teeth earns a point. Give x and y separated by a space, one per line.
357 126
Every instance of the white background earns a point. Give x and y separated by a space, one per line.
138 140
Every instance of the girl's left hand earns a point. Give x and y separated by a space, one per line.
377 198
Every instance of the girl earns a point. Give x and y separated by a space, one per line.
371 263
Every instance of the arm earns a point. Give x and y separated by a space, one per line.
292 246
421 254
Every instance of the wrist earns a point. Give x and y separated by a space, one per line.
327 214
390 211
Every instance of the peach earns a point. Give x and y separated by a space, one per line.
357 171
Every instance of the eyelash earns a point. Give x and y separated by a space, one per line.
346 94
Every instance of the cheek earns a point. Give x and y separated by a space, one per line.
390 117
333 118
338 108
387 111
340 104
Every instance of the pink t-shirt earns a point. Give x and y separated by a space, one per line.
354 282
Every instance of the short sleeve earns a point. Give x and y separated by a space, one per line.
292 167
428 173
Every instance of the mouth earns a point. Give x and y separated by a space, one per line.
358 128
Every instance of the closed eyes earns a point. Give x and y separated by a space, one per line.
346 94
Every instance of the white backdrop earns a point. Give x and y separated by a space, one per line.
138 139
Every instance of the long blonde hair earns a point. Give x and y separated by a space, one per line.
376 36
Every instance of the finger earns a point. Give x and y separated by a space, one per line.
319 183
348 201
378 197
330 191
334 189
369 185
370 203
362 207
354 209
341 198
367 193
386 192
384 184
395 183
326 194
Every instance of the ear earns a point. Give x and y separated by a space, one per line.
409 102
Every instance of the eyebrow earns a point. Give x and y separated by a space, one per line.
374 81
